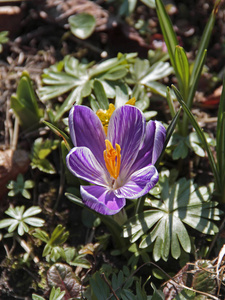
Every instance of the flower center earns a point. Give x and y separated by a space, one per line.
112 159
105 115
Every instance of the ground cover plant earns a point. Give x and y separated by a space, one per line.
112 160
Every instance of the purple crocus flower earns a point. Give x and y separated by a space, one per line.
119 165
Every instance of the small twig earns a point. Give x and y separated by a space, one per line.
7 250
24 245
15 134
61 184
171 278
110 287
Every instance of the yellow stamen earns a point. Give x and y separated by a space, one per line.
105 115
131 101
112 159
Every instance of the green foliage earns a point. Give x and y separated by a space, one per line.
110 79
187 78
107 284
41 149
78 78
163 224
220 145
82 25
181 145
53 249
218 172
24 104
20 187
143 76
3 39
22 219
60 133
56 294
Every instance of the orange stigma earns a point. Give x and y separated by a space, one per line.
112 159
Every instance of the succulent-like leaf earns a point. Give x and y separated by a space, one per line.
82 25
21 219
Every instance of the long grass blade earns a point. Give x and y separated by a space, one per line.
167 31
220 133
201 136
169 133
192 90
204 41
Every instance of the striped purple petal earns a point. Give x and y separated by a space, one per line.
82 163
139 183
86 130
152 147
127 128
101 199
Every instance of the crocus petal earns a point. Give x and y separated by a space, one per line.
127 128
139 183
86 130
101 199
82 163
152 147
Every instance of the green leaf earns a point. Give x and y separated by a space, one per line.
157 71
36 222
164 224
149 3
82 25
57 83
220 142
169 133
33 210
192 90
41 234
3 39
182 67
21 219
167 30
37 297
26 194
201 136
59 236
60 133
204 44
75 97
41 149
56 294
159 89
24 103
99 288
6 222
100 94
